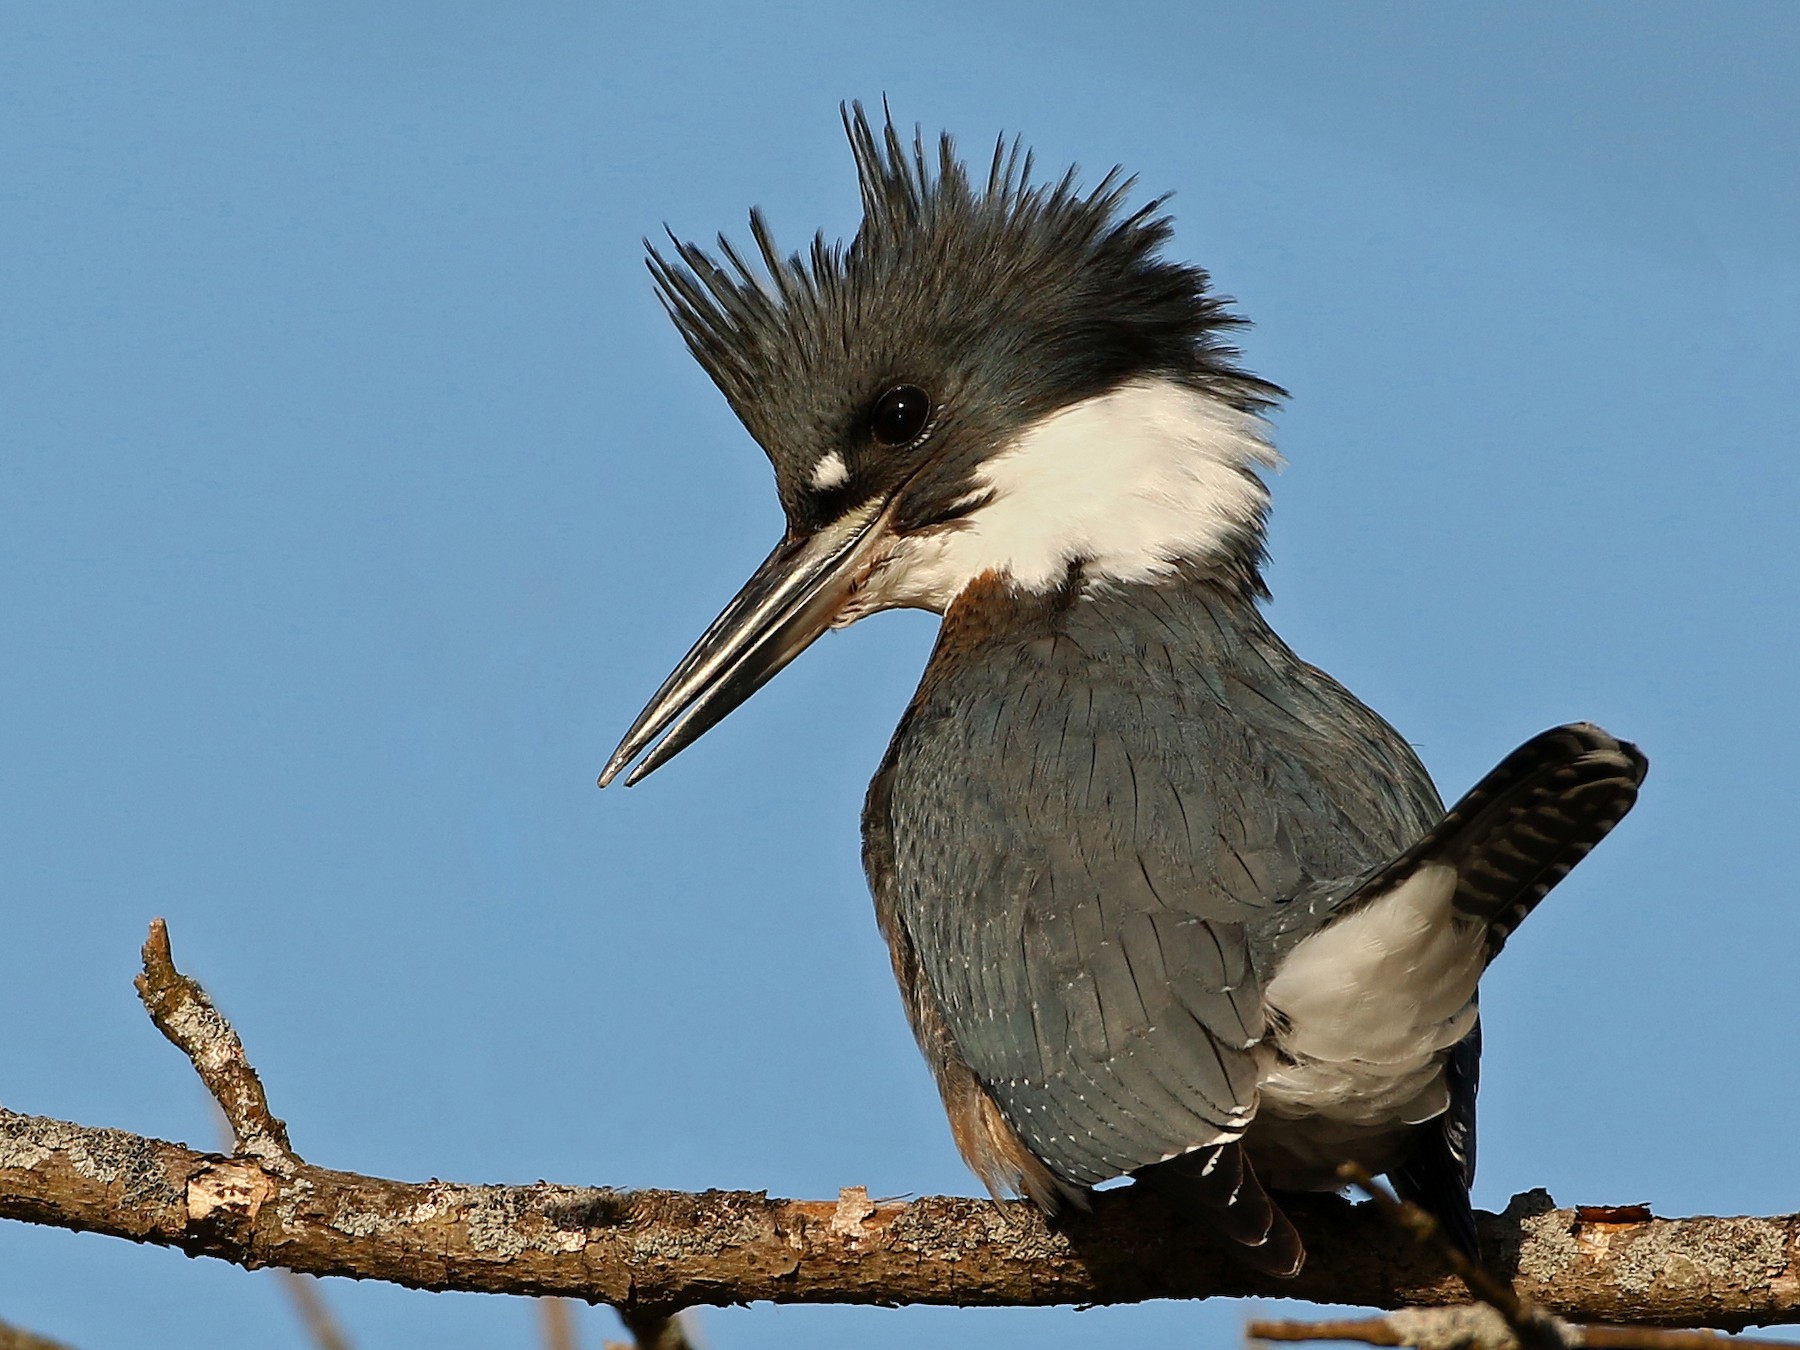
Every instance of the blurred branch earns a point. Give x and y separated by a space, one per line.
1523 1322
651 1253
556 1316
16 1338
1477 1326
316 1319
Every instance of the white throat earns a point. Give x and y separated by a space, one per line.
1127 484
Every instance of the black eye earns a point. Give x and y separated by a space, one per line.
899 415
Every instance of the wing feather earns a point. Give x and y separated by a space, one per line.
1085 835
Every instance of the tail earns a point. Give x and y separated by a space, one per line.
1511 838
1440 1169
1517 832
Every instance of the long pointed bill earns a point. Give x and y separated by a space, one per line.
788 601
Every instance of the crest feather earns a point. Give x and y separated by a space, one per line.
924 225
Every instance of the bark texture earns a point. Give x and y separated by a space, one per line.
654 1252
185 1014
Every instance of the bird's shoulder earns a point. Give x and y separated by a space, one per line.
1157 726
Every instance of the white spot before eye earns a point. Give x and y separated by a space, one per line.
830 472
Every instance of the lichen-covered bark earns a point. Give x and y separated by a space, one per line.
656 1251
185 1014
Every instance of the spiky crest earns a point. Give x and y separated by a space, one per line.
924 226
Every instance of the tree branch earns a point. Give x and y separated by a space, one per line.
1499 1320
183 1012
658 1251
652 1253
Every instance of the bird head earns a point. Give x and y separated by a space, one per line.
1006 380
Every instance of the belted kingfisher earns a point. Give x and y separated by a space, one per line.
1164 901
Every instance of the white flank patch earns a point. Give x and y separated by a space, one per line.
1373 999
1127 484
830 472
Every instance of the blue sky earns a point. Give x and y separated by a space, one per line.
354 495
